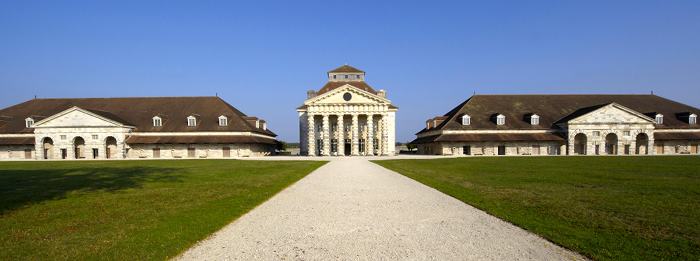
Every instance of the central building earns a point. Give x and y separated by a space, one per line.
347 117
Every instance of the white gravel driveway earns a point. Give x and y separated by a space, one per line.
353 209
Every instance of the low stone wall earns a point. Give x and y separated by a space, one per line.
17 152
175 151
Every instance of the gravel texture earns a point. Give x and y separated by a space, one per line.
352 209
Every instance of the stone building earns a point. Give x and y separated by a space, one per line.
347 117
118 128
563 125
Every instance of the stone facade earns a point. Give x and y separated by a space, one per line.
347 120
612 129
78 133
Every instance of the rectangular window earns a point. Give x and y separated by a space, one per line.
64 153
659 148
502 150
223 122
535 149
627 149
191 122
626 133
94 137
226 152
156 153
157 122
375 144
191 152
467 150
27 153
334 145
596 133
63 137
362 146
29 123
95 153
597 149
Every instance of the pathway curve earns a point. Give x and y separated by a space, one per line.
353 209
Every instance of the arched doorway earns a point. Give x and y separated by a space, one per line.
110 147
580 143
47 147
642 144
79 147
611 144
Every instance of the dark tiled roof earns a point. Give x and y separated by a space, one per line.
677 135
346 69
16 140
494 137
137 112
199 139
357 84
557 108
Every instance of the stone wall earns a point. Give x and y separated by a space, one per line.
491 148
201 151
17 152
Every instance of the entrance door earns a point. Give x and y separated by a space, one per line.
190 152
660 148
502 150
227 152
156 153
27 153
95 153
467 150
348 147
64 153
694 149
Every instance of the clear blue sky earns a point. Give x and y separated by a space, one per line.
262 56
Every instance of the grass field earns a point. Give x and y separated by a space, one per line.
132 210
607 208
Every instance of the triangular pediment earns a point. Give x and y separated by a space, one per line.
612 113
357 96
77 117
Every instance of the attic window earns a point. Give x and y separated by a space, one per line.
466 120
223 121
28 122
693 119
157 121
535 119
500 119
659 119
191 121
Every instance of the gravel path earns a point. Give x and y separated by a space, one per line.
353 209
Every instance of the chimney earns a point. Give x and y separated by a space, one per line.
310 94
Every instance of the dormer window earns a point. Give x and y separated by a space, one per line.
535 119
500 119
191 121
659 119
466 120
223 121
28 122
157 121
693 119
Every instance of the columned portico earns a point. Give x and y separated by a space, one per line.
346 117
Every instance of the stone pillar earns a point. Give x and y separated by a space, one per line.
355 135
385 135
326 136
369 150
312 135
341 135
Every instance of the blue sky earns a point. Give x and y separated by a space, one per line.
262 56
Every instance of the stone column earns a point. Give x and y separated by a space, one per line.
326 136
355 135
312 135
341 135
385 135
369 150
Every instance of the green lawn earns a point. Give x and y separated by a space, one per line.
607 208
131 210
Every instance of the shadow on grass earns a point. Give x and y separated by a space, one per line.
23 187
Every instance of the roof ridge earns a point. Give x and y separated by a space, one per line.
124 97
